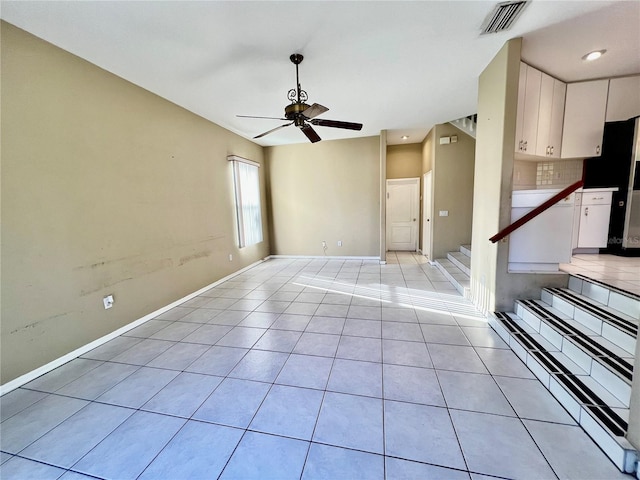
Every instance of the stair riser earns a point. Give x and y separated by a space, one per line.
459 281
617 448
459 264
591 321
623 303
465 250
610 380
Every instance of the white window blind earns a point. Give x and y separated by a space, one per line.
246 181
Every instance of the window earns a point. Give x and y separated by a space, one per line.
246 181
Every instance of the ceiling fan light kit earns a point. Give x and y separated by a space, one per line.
301 114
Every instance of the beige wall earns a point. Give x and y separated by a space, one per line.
428 151
492 287
328 191
106 189
404 161
453 169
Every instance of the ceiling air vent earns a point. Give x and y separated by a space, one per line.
503 16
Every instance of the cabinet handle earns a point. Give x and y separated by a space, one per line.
597 149
586 211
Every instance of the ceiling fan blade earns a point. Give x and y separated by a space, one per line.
310 133
272 130
253 116
314 110
336 124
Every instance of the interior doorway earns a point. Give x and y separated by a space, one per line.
403 210
426 214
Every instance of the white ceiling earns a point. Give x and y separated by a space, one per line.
394 65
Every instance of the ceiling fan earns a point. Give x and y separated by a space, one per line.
301 115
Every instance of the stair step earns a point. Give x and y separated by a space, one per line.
613 325
613 297
466 249
598 412
457 277
608 364
460 260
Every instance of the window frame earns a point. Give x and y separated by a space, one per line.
247 197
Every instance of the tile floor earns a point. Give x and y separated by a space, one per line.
301 369
621 272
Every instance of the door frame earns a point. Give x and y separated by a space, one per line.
427 213
416 200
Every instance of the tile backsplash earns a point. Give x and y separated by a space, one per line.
528 175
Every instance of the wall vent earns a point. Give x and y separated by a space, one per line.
502 16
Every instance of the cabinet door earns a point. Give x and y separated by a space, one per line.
528 104
544 116
594 226
531 106
522 85
623 101
557 118
584 115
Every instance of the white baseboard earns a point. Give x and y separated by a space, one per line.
32 375
323 257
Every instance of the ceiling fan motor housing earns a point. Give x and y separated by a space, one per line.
294 112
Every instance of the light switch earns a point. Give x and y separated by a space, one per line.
444 213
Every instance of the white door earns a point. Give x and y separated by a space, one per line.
403 208
426 215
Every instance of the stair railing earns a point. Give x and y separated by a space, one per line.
536 211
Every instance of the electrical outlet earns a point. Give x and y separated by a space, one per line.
230 257
339 243
108 302
324 244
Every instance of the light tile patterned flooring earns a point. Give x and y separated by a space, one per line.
307 369
621 272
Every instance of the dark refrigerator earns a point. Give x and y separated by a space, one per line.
619 166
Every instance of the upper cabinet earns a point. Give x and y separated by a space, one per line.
550 117
540 113
528 104
623 101
584 116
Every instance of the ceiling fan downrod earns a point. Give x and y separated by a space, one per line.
297 95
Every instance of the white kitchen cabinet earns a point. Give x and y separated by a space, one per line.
528 105
623 101
595 212
550 117
584 116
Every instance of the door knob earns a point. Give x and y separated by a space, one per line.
414 219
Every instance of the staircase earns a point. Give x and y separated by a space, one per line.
457 268
580 343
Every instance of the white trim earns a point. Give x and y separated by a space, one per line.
32 375
326 257
235 158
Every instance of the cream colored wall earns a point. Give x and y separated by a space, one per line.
492 287
428 151
106 189
453 170
404 161
328 191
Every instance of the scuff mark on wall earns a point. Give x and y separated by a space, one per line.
37 323
195 256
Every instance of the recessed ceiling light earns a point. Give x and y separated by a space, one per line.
593 55
404 137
